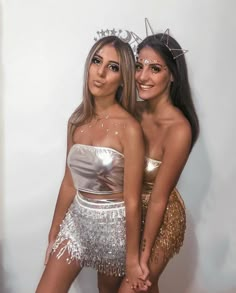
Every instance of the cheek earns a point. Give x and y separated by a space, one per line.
89 77
163 81
137 75
91 70
115 81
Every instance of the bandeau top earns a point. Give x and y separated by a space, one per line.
97 170
150 173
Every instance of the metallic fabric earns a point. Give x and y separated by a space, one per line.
93 233
171 234
150 172
97 170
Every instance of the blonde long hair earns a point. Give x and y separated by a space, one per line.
126 95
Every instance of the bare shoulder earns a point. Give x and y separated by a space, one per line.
132 139
132 126
129 122
180 133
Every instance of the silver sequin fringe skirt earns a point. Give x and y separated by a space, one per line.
93 232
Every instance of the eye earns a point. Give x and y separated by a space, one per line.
96 60
138 66
155 68
114 67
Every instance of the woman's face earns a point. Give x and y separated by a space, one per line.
153 77
104 72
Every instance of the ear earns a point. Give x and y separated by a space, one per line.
171 78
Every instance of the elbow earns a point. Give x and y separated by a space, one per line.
133 205
159 205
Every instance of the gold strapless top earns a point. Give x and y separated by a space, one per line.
150 173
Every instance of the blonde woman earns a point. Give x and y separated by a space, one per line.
97 216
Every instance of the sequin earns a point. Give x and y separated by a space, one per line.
93 232
171 234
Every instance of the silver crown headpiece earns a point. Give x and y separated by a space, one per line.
133 39
125 35
175 52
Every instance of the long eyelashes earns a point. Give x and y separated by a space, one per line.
96 60
154 68
138 66
113 67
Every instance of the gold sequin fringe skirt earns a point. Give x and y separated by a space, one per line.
171 234
93 232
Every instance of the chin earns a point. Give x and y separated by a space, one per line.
145 97
95 92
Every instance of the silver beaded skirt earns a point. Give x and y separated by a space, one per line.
93 232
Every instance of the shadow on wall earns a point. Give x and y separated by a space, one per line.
3 275
198 290
233 290
3 288
196 179
2 285
180 272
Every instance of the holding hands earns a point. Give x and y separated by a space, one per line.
137 277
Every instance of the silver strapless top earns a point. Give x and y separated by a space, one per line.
98 170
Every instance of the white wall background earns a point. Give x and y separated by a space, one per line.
44 45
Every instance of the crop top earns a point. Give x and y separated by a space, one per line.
97 170
150 173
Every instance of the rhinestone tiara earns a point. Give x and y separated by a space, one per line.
133 39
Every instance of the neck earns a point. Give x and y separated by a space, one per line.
157 106
103 105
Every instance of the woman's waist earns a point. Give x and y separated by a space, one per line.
98 204
95 197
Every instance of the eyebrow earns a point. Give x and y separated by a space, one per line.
110 61
155 62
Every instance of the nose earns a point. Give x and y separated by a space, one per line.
101 70
142 75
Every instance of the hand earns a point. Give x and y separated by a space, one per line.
48 252
133 277
145 270
145 276
51 240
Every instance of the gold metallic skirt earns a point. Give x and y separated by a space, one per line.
93 233
171 234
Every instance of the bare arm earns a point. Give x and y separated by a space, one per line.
176 151
133 173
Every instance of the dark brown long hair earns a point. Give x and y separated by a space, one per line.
180 92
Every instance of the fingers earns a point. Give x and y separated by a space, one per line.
143 277
48 252
148 283
142 287
145 282
133 286
139 286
